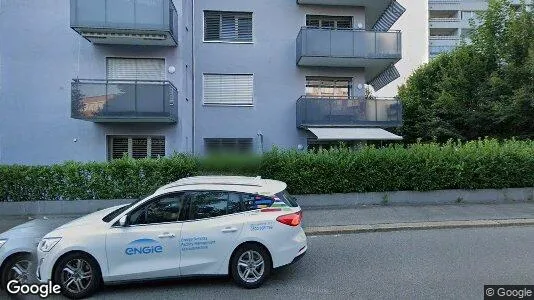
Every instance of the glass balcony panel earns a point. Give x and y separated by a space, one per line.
123 101
323 111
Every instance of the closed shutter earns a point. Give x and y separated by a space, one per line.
228 89
119 147
135 69
139 148
136 147
228 145
157 147
227 26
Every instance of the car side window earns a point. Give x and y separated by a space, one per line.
252 202
207 204
165 209
234 203
210 204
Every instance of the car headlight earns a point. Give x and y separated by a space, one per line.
47 244
2 242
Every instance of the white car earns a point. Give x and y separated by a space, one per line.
207 225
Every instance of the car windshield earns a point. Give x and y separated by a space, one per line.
119 210
287 198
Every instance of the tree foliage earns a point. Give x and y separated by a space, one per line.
482 88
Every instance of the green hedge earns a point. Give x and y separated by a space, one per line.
420 167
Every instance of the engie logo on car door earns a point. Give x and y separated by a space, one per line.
143 246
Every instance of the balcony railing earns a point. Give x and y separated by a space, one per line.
136 22
348 43
348 112
124 101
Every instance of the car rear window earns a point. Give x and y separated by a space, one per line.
287 198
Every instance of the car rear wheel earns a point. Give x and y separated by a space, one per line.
78 275
20 268
250 266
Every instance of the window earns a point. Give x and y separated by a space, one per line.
227 89
135 69
135 147
165 209
467 15
289 200
210 204
228 145
328 21
328 87
253 202
227 26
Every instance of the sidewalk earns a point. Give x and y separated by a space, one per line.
377 214
387 218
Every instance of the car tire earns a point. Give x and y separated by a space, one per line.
18 267
250 266
78 274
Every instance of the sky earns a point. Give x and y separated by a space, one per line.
414 27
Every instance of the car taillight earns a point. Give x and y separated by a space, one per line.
291 219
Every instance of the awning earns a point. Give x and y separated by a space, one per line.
352 134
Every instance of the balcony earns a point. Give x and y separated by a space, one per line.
375 51
443 41
452 5
133 22
445 22
352 112
374 9
112 101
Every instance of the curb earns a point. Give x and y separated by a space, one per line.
348 229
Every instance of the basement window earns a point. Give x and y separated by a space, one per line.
228 145
136 147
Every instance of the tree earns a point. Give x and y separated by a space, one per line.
484 88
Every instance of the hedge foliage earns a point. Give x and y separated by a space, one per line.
421 167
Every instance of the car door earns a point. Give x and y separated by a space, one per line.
148 247
210 234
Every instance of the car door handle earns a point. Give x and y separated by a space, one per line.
229 229
166 235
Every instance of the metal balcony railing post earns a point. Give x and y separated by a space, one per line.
105 108
165 102
376 110
330 35
376 50
135 97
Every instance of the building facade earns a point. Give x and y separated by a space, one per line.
93 80
450 22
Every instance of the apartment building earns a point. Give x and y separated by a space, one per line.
450 22
93 80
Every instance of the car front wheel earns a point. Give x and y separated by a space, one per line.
250 266
19 268
78 275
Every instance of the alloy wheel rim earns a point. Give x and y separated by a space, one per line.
20 271
77 275
250 266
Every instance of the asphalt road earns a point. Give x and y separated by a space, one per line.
433 264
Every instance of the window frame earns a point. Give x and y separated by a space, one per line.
161 58
187 205
130 138
335 81
330 18
250 151
143 205
252 40
251 104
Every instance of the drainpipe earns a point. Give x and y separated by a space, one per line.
193 74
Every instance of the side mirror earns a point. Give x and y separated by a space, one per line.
123 221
